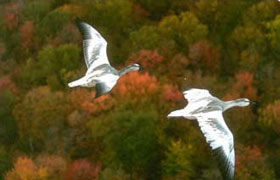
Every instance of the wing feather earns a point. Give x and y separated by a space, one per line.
194 94
105 84
220 139
94 47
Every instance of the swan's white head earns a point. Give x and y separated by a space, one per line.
244 102
134 67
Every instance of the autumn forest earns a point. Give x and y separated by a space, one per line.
51 132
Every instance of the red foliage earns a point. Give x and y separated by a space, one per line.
140 13
244 79
12 15
83 170
248 156
171 94
147 58
250 164
135 84
27 34
179 63
7 84
69 34
243 87
205 55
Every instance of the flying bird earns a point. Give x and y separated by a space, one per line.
100 74
208 111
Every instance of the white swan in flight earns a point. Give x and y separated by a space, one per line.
100 74
208 111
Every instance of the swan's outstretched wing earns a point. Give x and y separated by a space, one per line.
94 46
194 94
220 138
105 84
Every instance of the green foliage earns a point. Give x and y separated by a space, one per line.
52 66
249 37
133 140
147 37
156 9
36 10
273 35
269 115
185 29
8 130
177 160
221 17
261 12
5 159
52 23
122 19
41 117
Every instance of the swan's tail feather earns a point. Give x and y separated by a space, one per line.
177 113
74 83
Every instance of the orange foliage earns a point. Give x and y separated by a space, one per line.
7 83
45 167
79 95
243 87
54 166
27 34
83 170
84 100
147 58
12 15
135 84
98 105
24 169
202 52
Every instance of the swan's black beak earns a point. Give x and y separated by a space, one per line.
137 65
253 103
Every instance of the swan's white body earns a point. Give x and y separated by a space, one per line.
100 74
208 111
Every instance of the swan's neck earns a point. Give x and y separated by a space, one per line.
229 104
128 69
